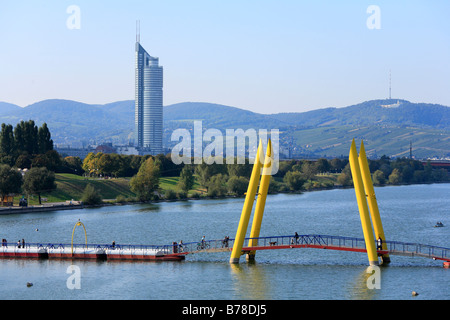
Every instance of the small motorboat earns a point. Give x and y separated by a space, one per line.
438 224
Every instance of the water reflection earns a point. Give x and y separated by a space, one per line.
250 281
367 284
150 207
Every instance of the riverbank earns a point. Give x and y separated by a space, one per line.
116 192
69 205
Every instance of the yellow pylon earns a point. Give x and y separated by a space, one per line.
248 206
372 201
362 206
261 201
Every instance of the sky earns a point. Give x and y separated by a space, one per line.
265 56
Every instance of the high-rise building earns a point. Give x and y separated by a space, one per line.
148 102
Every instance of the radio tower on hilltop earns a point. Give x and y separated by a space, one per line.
390 85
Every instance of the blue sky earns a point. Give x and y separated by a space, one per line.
261 55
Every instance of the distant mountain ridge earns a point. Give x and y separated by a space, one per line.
73 122
372 112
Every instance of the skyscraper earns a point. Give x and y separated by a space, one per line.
148 102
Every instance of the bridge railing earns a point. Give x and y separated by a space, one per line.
90 246
325 240
394 247
423 250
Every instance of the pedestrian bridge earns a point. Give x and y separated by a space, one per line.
178 251
317 241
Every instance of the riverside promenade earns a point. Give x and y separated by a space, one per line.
53 206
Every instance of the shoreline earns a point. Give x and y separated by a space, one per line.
69 205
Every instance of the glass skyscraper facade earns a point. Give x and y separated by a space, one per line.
148 103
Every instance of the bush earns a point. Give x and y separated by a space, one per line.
182 195
344 179
91 196
121 199
195 195
294 180
378 178
237 185
217 186
170 195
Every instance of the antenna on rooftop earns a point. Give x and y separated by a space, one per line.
138 31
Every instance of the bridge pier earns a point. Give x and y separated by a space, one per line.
247 209
385 259
372 202
252 191
362 206
250 257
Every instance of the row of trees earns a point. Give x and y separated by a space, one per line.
218 180
117 165
295 175
384 171
24 141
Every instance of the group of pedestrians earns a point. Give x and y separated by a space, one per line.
20 244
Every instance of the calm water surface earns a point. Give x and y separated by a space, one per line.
408 213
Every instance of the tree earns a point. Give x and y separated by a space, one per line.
45 143
186 181
106 164
337 165
7 139
217 185
91 196
23 161
51 160
38 180
239 170
10 180
294 180
73 165
395 177
344 179
237 185
322 165
309 170
26 137
90 163
204 173
379 178
146 181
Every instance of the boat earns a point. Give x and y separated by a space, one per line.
438 224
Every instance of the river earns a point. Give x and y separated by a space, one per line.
408 213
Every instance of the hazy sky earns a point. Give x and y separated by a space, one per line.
261 55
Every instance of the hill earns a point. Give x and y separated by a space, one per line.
373 112
388 126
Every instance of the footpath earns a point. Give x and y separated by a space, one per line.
68 205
